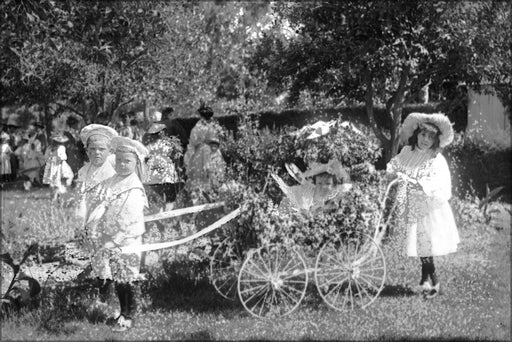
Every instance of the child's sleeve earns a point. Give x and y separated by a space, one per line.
130 218
437 183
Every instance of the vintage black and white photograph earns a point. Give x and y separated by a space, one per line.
223 170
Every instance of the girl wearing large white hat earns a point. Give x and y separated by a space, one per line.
424 211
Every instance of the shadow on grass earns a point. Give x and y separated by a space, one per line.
63 305
397 291
201 335
177 290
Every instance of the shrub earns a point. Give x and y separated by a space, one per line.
467 212
478 166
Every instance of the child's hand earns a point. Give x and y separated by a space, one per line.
406 178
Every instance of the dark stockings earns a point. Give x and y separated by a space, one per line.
128 298
428 270
105 290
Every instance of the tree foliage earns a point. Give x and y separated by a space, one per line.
385 51
204 51
94 57
78 53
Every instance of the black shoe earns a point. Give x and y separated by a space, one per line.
433 292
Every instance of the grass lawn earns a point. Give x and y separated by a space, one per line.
474 304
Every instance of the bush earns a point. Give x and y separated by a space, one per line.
478 167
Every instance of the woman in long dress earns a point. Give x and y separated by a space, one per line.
199 153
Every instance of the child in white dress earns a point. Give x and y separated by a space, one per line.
57 172
424 211
6 151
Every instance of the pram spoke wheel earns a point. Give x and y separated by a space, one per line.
224 267
272 281
350 271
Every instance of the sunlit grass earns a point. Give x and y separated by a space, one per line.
474 304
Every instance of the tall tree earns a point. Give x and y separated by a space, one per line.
204 50
386 51
68 54
93 57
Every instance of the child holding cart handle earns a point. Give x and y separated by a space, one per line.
423 209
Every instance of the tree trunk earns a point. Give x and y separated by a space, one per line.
369 112
395 108
47 121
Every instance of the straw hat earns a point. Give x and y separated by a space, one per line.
441 121
97 129
124 144
333 167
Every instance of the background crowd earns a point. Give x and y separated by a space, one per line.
31 156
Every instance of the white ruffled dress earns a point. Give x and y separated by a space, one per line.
424 211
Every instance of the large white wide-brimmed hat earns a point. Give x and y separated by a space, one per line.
97 129
441 121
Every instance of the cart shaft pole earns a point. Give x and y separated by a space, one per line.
182 211
161 245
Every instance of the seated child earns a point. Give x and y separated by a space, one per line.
329 181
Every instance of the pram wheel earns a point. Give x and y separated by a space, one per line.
350 271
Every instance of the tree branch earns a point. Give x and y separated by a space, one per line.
369 108
115 112
63 106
